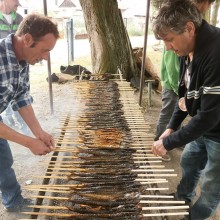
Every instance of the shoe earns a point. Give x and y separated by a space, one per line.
166 157
21 207
187 202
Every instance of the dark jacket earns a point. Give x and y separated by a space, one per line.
203 95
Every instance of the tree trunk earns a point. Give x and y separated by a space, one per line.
215 9
207 15
110 44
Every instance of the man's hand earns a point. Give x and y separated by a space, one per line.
38 147
47 139
158 148
29 117
41 145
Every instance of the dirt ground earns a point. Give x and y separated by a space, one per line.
26 165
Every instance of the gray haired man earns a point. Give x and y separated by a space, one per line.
179 24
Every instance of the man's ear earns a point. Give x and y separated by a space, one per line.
28 40
190 28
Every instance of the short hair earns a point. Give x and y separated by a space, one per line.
174 15
38 26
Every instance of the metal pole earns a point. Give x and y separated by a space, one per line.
49 68
68 41
144 52
72 39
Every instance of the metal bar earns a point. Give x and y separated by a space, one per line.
144 52
72 39
49 68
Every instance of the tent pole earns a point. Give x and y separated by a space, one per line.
144 51
49 68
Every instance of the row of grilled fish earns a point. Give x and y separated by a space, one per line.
104 185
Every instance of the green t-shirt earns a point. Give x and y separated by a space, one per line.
169 73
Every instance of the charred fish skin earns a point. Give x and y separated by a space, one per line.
109 204
105 151
96 217
100 187
110 197
101 164
102 210
103 184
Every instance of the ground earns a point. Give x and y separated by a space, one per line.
26 165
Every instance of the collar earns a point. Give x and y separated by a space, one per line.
13 15
12 60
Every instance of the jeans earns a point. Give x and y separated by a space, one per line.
201 156
169 99
11 191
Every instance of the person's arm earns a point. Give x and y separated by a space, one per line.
22 103
158 147
27 113
36 146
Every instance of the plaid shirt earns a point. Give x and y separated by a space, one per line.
14 78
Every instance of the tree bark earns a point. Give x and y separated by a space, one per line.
215 9
207 15
110 44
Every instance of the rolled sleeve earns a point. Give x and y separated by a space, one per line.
22 96
21 102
